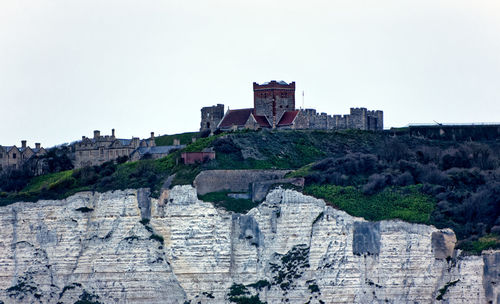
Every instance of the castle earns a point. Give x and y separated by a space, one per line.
274 108
14 157
100 149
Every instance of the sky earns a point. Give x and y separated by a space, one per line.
70 67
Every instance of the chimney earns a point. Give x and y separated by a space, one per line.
97 134
176 142
23 143
37 145
152 135
112 132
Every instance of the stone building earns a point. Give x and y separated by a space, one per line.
272 99
99 149
274 107
14 157
154 152
211 117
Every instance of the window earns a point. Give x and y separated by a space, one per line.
1 155
14 155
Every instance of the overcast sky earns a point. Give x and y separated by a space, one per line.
69 67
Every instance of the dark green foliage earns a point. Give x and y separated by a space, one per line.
84 209
20 289
168 140
291 266
156 237
260 284
208 294
237 290
247 300
490 241
313 288
87 298
220 199
406 203
443 290
462 177
238 293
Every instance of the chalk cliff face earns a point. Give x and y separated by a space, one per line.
292 248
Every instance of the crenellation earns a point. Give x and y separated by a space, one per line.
274 107
100 149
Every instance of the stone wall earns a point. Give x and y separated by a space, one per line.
233 180
211 117
273 98
261 188
457 132
359 118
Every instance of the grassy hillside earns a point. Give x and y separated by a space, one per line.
374 175
168 140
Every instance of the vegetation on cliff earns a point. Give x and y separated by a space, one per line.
375 175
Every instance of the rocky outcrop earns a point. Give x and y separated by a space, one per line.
123 247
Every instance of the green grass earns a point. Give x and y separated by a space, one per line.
301 172
405 203
489 241
168 140
200 144
46 181
220 199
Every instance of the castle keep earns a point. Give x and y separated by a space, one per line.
274 107
273 99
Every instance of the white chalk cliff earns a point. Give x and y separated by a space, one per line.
292 248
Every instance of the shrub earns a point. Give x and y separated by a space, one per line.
376 182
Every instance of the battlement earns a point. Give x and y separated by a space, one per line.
100 149
273 84
274 107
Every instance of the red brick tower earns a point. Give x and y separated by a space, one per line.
272 99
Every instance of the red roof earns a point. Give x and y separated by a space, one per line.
235 118
288 118
262 121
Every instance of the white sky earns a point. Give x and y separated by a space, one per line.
69 67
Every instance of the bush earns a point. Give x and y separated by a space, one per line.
376 182
406 203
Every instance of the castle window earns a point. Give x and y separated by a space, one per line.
208 125
1 155
14 155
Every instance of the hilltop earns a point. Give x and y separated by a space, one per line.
371 174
